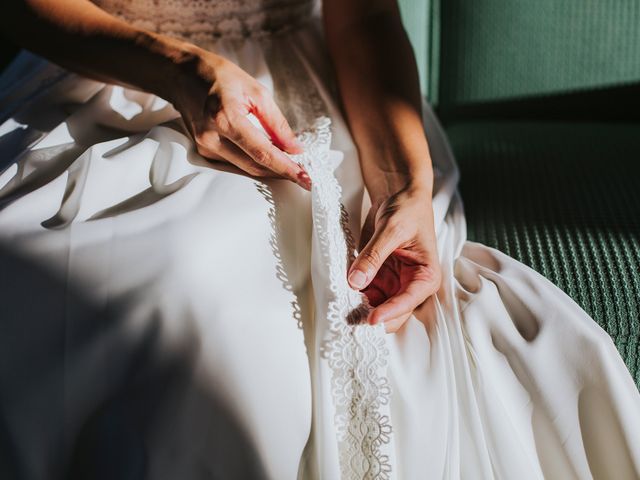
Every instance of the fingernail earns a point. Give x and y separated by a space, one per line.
303 180
357 279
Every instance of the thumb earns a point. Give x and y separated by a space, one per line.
366 265
367 231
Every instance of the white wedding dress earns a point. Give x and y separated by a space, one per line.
162 318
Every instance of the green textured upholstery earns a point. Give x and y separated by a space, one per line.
564 199
497 49
541 102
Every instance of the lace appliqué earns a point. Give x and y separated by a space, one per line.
356 352
201 21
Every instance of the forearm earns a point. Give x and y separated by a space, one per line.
81 37
379 87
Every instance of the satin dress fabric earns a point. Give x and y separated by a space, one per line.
158 312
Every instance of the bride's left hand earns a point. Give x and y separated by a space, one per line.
398 267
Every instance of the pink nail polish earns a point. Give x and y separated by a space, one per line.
303 180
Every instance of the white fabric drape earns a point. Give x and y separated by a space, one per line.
170 319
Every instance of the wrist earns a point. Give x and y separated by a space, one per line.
181 68
381 185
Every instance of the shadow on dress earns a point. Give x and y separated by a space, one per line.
92 399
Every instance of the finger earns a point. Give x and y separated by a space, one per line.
263 152
367 231
366 265
275 124
404 302
395 324
222 149
233 154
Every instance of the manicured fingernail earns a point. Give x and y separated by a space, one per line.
303 179
357 279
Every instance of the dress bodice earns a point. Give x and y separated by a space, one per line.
210 19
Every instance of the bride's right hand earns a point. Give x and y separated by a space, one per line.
214 97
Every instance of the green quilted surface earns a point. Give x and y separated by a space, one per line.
564 199
497 49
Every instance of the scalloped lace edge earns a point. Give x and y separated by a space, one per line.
356 353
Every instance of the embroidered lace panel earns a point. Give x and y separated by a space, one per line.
356 353
202 20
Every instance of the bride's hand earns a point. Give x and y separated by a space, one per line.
398 267
213 95
214 98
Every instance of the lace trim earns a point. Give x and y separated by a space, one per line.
356 352
203 20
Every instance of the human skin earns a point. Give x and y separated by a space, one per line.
397 267
213 95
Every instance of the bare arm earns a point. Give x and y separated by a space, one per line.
83 38
398 266
213 95
379 86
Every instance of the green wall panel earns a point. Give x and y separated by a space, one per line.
500 49
415 16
